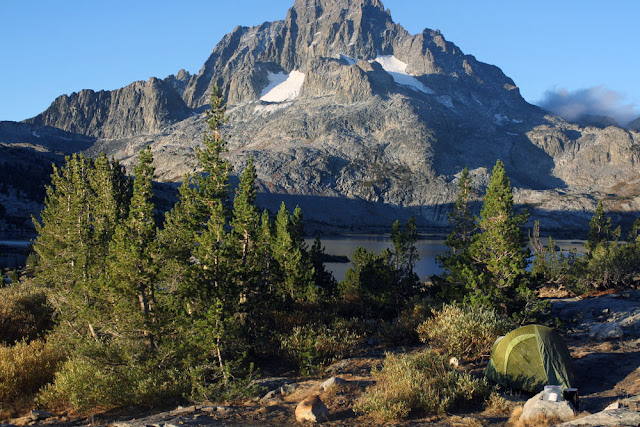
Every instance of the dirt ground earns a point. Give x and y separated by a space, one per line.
606 370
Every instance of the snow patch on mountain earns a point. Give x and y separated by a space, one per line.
283 87
398 70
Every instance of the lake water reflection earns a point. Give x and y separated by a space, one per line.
428 248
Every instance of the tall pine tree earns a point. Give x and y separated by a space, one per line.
131 272
295 273
456 263
499 250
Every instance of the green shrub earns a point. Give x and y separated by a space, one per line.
24 313
81 385
208 383
25 368
607 266
467 332
314 346
422 382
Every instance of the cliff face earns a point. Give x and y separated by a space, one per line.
141 107
360 122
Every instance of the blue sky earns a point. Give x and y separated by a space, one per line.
583 51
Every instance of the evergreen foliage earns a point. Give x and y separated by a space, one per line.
499 249
487 258
294 270
551 267
456 262
380 285
601 232
131 274
324 280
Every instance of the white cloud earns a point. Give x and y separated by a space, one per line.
596 100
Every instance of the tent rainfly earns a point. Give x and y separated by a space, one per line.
529 358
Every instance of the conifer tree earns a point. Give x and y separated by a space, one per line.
461 218
369 286
131 273
296 228
200 197
213 183
295 271
111 194
85 202
404 252
265 253
244 235
323 279
176 240
600 230
456 261
245 214
500 249
64 236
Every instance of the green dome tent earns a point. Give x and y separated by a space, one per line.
529 358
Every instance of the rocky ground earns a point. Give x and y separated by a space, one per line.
602 332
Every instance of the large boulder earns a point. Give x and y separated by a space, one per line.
312 409
537 408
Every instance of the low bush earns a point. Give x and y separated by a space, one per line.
24 313
467 332
314 346
422 383
81 385
608 266
25 368
208 383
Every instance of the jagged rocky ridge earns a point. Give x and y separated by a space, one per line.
360 122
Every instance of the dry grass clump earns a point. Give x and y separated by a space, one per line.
497 405
463 332
465 422
25 368
423 383
539 421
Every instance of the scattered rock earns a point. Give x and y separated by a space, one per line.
614 405
614 417
223 409
312 409
605 331
268 409
273 394
536 407
331 382
36 415
337 367
181 410
288 388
